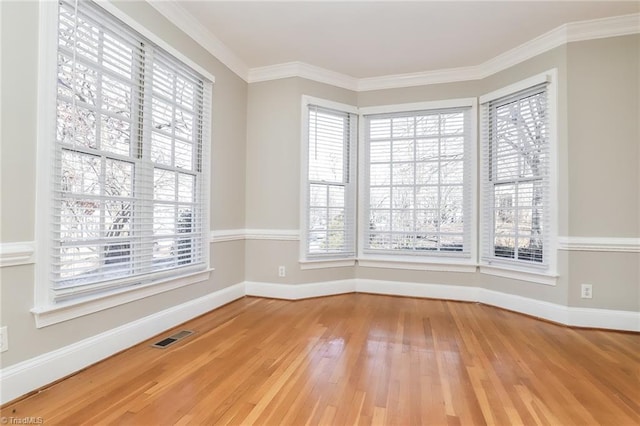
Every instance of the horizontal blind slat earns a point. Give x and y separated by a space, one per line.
116 215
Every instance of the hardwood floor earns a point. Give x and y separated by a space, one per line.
358 359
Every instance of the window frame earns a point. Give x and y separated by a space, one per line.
519 269
306 260
46 310
423 261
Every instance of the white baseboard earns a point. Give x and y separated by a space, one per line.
430 291
577 317
604 318
299 291
24 377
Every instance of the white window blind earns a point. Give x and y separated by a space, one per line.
417 185
130 158
330 203
516 177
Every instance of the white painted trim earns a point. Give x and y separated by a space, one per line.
614 26
424 78
19 379
524 305
604 318
176 14
227 235
254 234
527 271
272 234
571 32
302 70
544 77
606 244
110 7
47 315
420 106
299 291
566 315
312 100
429 291
431 265
19 253
46 127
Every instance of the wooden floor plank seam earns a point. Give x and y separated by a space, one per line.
357 359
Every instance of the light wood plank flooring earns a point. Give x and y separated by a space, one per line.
358 359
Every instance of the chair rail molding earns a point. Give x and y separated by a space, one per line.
609 244
18 253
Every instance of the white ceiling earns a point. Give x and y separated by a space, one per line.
378 38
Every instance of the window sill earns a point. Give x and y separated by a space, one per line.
404 263
53 314
326 263
538 277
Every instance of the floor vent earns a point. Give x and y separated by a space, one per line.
168 341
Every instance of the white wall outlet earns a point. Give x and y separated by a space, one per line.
586 291
282 271
4 339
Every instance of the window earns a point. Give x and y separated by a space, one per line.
329 187
417 184
517 176
130 159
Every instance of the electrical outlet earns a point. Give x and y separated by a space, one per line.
282 271
586 291
4 339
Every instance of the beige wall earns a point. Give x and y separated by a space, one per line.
273 176
586 132
273 149
255 182
18 157
603 116
604 150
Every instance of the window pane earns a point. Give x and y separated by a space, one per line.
81 173
184 155
186 187
118 178
164 219
76 125
114 214
518 146
164 185
380 220
115 135
424 183
380 152
161 148
380 197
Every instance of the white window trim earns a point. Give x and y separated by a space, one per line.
327 261
516 269
429 262
45 311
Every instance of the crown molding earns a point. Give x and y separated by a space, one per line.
449 75
177 15
572 32
303 70
567 33
602 28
